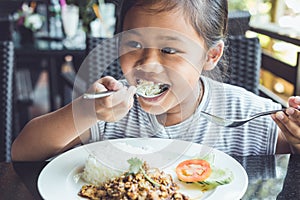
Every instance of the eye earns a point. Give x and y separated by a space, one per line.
134 44
168 50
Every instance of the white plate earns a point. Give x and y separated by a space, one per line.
58 179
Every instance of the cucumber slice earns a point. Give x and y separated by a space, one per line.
218 177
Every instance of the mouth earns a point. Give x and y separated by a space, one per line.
150 89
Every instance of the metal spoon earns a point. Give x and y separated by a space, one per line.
110 92
98 95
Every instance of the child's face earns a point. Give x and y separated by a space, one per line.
162 48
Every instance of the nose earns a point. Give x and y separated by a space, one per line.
151 61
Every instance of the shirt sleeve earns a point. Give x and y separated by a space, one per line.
97 132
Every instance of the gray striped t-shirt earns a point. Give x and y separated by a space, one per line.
257 137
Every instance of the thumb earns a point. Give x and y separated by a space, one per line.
294 101
110 83
132 90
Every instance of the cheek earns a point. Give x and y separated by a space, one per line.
184 79
184 74
127 67
128 61
125 63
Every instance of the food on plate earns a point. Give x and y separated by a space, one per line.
200 172
149 88
96 173
142 182
139 182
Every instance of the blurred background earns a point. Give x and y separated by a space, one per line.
276 24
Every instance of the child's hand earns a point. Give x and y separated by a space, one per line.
289 123
115 106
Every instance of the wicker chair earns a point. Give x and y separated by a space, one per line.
102 58
6 98
244 61
238 22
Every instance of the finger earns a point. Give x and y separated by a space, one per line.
289 137
279 123
294 101
294 115
124 96
288 127
111 83
115 114
118 111
96 87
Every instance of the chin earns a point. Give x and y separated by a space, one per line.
153 109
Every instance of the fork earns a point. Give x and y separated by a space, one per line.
237 122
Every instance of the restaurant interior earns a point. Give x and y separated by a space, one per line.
42 58
42 48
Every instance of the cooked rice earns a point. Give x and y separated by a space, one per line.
148 88
96 173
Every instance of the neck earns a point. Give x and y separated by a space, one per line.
184 110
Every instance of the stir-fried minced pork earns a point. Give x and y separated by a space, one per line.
135 186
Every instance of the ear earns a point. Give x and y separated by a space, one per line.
213 56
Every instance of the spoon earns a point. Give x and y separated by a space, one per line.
110 92
98 95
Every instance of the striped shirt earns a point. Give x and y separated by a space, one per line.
257 137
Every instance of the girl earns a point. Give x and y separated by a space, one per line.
172 43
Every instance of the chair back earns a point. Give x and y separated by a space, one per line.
238 22
102 58
244 62
6 98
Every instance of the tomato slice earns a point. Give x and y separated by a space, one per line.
193 170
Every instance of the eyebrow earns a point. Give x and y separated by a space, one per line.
160 37
171 38
134 32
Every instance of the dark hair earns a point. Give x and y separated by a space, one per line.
208 17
